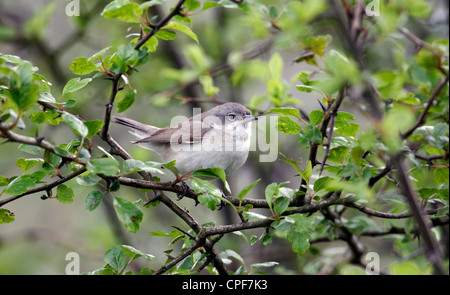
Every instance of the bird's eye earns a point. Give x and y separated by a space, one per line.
232 116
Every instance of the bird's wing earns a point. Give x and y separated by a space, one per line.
189 131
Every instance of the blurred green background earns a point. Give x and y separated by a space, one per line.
40 31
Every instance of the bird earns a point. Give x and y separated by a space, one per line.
219 137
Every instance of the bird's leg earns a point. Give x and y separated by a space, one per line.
187 191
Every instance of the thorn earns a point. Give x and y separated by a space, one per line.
321 105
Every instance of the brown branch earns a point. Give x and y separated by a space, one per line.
46 188
198 243
423 116
162 23
114 90
431 246
36 141
333 108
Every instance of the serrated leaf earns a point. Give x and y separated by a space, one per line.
82 66
116 258
209 195
126 56
6 216
26 164
310 135
23 183
128 213
93 199
288 126
124 10
181 28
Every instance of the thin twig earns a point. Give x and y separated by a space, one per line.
423 117
431 246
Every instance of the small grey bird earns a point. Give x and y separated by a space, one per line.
219 137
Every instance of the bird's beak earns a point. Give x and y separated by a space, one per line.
249 118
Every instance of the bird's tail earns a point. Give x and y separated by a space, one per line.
142 129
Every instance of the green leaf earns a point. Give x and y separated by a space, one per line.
316 44
132 165
359 224
88 180
106 166
93 199
247 189
21 88
126 57
342 68
271 193
288 126
124 10
76 124
285 111
208 85
148 4
310 135
64 194
127 101
276 66
75 84
93 127
292 162
209 195
6 216
23 183
31 149
406 268
280 205
182 28
307 173
82 66
116 258
297 228
166 35
316 117
338 154
321 183
397 120
134 253
128 213
26 164
215 172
